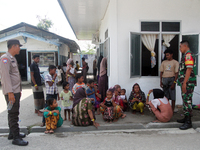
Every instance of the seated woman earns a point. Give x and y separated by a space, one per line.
137 99
52 116
160 106
82 110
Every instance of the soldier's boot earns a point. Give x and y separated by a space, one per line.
181 120
187 124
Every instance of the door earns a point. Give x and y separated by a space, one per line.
22 64
135 54
193 40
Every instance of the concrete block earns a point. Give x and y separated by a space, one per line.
90 128
163 125
6 129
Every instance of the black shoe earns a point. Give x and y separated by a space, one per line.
19 142
187 124
10 136
181 120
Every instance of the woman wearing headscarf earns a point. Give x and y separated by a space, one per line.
137 99
70 73
103 79
82 110
160 106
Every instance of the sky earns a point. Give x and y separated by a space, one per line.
13 12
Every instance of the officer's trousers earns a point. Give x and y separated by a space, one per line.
187 100
13 115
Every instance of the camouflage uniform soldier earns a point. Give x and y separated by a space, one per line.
187 82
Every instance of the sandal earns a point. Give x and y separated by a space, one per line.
46 132
51 131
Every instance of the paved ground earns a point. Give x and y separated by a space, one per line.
163 139
28 118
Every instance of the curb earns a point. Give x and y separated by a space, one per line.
23 129
107 127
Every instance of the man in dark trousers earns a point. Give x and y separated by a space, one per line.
11 86
187 82
37 85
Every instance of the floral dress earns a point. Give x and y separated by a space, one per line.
141 97
80 116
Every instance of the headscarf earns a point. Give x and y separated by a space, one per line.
103 67
158 93
140 92
79 95
69 62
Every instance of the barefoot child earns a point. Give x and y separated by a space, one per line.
98 99
79 84
52 116
67 100
124 99
108 107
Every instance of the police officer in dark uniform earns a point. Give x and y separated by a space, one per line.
11 85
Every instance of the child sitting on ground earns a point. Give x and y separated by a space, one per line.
98 99
124 99
67 100
52 116
79 84
91 92
108 107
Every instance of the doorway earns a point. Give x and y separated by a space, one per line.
22 64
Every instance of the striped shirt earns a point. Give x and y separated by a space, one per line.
51 89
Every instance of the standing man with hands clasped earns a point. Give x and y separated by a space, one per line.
168 76
187 82
37 85
11 85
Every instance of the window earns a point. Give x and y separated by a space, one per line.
140 55
149 26
135 54
194 45
46 59
171 26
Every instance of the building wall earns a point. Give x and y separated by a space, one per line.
124 16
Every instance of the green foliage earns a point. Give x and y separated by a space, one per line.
44 24
89 49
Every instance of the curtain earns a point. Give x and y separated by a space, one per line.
149 41
167 38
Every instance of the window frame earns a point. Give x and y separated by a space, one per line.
159 33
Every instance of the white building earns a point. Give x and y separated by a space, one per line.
120 28
53 49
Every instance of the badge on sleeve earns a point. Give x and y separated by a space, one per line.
189 61
5 60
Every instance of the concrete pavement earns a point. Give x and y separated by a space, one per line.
142 139
29 121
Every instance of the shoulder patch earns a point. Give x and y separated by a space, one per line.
5 60
188 56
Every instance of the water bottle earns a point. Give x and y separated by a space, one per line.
10 105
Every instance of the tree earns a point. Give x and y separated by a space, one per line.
88 48
45 23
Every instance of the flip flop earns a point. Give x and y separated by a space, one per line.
46 132
51 131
